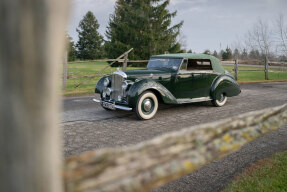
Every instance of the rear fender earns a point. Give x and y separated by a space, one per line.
226 85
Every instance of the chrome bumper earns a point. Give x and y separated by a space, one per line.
96 100
116 106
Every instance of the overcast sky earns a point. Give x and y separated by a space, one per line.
207 23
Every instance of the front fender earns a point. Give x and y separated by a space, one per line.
148 84
224 84
100 85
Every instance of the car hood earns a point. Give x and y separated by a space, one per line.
147 74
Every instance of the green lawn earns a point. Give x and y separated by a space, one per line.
77 71
266 175
244 76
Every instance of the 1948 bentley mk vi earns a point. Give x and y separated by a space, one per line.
170 78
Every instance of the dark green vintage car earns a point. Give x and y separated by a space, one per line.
170 78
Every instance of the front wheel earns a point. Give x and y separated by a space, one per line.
221 101
147 105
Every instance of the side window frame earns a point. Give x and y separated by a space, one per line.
183 66
201 60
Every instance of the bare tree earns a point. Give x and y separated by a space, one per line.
240 45
260 37
237 44
31 49
281 34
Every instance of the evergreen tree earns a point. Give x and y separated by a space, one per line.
215 54
90 41
144 25
189 51
207 51
72 53
227 54
254 54
244 54
236 54
221 53
182 51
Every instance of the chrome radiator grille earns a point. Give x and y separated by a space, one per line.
116 86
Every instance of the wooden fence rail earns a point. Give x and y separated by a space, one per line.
111 60
109 65
151 164
265 69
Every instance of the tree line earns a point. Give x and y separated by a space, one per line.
143 24
244 54
263 39
146 26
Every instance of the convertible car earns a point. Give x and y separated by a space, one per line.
170 78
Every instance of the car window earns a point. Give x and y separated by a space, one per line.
199 64
173 64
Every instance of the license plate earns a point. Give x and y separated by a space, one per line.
109 105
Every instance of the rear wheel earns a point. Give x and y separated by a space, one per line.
221 101
147 105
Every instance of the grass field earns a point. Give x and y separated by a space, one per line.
266 175
78 72
248 75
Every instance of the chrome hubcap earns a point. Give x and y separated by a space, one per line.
147 105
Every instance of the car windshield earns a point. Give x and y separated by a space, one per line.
173 64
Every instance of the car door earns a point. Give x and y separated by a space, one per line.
182 87
194 79
203 77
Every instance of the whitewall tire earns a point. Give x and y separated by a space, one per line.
221 101
147 105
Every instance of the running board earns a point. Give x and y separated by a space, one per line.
195 100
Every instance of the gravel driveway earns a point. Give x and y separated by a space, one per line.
86 126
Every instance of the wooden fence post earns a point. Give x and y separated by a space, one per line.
125 63
266 68
31 52
236 69
109 65
65 70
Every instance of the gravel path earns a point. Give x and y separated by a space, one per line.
86 126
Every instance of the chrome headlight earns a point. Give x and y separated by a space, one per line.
106 82
124 85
